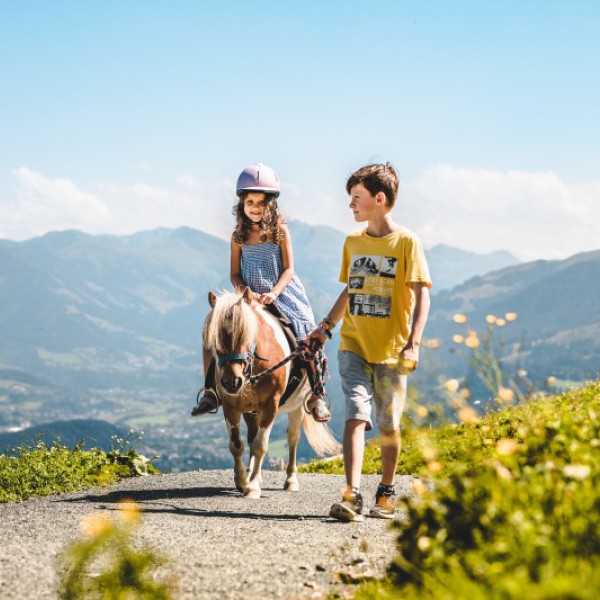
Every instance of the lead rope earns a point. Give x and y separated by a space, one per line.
308 352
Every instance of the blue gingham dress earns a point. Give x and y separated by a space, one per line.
261 269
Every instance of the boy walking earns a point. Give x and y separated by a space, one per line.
384 305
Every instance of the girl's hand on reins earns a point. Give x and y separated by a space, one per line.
267 298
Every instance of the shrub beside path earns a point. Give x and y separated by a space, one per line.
219 544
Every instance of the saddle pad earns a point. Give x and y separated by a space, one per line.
294 381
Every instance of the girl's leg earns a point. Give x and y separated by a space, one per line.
210 400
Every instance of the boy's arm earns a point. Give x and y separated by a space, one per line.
419 318
334 317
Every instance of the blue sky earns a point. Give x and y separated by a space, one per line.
121 116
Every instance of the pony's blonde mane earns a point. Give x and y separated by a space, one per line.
231 314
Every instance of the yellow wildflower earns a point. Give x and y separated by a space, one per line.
467 414
451 385
506 446
130 510
95 525
506 394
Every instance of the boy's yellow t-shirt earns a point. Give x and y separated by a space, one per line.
378 270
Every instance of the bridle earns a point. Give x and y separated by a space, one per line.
247 358
305 350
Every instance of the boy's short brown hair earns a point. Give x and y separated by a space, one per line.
376 178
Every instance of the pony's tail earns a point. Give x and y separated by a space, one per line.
320 437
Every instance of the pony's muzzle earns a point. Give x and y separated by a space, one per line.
232 384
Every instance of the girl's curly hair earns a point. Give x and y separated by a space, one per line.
271 225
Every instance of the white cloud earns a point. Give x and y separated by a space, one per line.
534 215
204 206
531 214
42 204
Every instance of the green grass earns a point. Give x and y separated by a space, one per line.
42 470
515 512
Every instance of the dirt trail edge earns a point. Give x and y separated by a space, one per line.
220 545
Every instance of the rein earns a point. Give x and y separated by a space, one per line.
303 348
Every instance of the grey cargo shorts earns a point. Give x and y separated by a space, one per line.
365 384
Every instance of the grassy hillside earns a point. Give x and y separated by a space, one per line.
515 509
40 470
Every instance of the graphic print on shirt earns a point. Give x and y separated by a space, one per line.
371 285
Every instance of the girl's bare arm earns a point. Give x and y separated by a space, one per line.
235 272
287 260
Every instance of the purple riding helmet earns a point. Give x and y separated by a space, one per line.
258 178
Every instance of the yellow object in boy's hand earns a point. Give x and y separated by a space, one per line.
406 365
408 359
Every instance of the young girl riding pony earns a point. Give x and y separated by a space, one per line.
262 259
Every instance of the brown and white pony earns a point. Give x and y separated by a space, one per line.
245 340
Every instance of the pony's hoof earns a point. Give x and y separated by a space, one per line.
251 493
291 486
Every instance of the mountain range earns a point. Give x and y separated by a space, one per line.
109 327
556 304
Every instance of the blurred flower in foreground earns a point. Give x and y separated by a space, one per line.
506 394
550 381
458 318
422 411
451 385
576 471
419 487
467 414
95 525
506 447
435 466
490 319
511 316
465 393
433 343
458 339
429 453
502 471
472 341
130 510
500 322
424 543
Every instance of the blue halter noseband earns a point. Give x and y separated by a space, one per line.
245 357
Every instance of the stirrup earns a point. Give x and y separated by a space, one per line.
198 401
325 395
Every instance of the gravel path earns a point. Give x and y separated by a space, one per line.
220 545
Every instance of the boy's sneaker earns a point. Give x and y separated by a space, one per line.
349 508
385 502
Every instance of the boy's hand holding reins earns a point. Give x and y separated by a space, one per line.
317 338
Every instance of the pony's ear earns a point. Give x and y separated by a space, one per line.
248 295
212 299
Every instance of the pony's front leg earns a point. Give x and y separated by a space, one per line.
236 446
252 427
258 450
293 437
